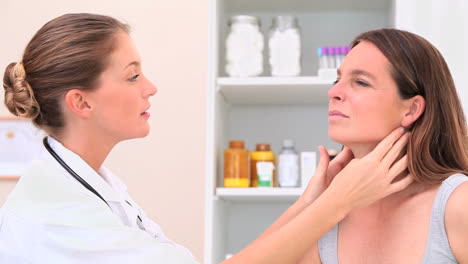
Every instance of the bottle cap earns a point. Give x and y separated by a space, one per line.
332 153
236 144
262 147
325 50
343 50
283 22
348 49
288 143
244 19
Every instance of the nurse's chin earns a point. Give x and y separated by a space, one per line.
145 133
139 134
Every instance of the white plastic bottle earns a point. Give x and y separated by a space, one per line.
288 165
244 47
285 47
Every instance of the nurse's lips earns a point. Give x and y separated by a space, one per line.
146 113
335 114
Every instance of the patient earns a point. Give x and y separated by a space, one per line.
395 78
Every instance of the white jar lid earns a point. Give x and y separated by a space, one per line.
244 19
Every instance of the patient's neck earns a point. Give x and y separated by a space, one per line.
385 207
360 150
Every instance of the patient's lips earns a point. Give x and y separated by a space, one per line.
336 115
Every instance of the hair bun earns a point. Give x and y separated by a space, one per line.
19 96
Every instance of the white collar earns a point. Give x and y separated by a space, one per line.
77 164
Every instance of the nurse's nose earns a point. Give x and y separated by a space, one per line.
151 89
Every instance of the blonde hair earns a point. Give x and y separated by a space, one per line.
19 96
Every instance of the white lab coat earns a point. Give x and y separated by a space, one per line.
51 218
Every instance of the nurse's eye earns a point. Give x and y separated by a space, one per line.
134 78
336 81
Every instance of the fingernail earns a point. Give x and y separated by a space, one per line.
402 130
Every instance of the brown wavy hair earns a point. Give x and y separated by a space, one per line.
438 146
68 52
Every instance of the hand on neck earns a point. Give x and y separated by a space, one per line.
362 149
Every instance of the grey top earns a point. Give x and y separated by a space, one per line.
437 247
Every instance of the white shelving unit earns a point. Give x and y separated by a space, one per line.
259 194
268 109
275 90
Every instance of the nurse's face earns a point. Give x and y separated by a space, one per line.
364 103
121 101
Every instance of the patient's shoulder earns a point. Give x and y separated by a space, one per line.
456 207
456 221
457 203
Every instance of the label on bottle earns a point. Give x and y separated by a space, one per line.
265 173
288 170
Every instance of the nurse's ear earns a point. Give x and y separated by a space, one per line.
414 108
75 101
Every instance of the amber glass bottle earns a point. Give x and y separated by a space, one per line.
262 167
236 165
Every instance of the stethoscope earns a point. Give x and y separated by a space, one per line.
70 170
80 180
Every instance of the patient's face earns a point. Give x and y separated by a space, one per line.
364 103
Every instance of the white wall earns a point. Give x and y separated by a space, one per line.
445 24
165 171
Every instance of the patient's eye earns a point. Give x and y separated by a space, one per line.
362 83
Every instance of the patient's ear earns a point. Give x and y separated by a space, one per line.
415 108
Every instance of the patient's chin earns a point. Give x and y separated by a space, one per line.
339 140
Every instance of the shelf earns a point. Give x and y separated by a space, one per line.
300 5
265 108
259 194
275 90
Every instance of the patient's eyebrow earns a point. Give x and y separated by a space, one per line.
363 72
358 72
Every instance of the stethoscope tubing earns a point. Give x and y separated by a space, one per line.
70 170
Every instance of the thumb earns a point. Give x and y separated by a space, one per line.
322 167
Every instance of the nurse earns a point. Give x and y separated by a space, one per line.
81 81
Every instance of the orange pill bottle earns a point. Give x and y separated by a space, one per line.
236 165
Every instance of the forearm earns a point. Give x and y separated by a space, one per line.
311 256
360 183
289 242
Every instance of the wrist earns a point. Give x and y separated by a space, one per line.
306 199
301 202
339 206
